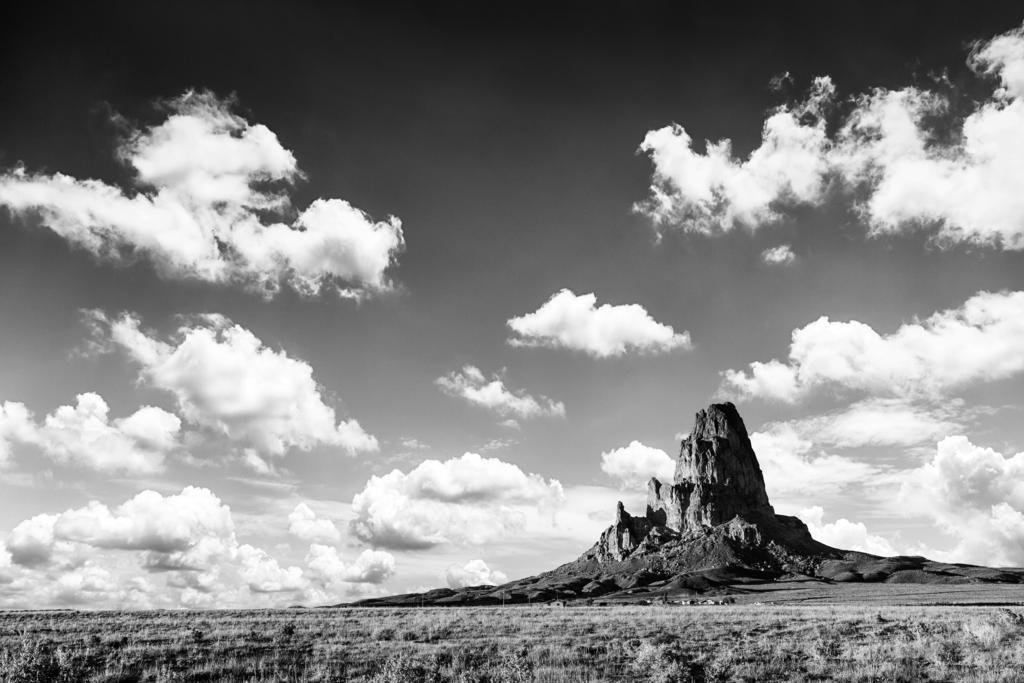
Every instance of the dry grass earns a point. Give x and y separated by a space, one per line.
655 643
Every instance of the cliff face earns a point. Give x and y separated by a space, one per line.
718 492
718 470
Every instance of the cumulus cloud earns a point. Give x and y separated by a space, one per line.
472 385
201 209
16 425
31 542
795 469
977 342
845 534
85 436
712 191
976 495
187 530
225 379
469 499
909 160
263 574
187 545
781 255
967 190
473 573
304 524
326 566
632 466
575 322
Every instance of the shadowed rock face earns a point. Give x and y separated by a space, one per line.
718 489
718 466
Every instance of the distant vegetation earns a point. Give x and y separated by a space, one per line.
624 643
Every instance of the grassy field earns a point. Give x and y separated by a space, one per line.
626 643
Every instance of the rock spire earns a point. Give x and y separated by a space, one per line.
717 482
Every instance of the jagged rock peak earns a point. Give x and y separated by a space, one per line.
718 453
717 482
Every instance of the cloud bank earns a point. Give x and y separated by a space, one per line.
207 181
155 550
464 500
713 191
225 379
976 495
904 157
83 435
977 342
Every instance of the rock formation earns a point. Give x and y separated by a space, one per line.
711 529
718 490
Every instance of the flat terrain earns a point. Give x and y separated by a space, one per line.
860 636
811 592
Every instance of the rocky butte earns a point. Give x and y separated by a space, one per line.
714 514
712 529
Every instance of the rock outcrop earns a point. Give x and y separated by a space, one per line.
718 490
715 513
711 529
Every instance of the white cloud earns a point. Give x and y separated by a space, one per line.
192 530
576 322
471 384
844 534
634 465
781 255
85 436
326 566
225 379
473 573
977 342
468 499
714 191
795 473
200 208
263 574
187 545
16 425
882 422
910 158
969 190
1003 56
31 542
304 524
976 495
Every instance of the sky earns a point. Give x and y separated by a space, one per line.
301 304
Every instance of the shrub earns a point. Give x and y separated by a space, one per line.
399 668
665 664
384 633
513 667
40 661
